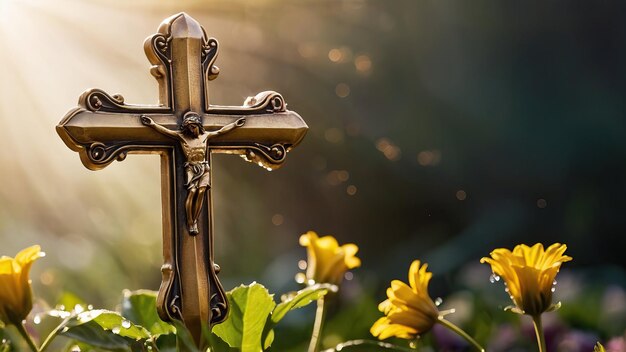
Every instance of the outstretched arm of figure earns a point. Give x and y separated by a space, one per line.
229 127
146 120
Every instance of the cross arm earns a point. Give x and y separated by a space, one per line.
104 132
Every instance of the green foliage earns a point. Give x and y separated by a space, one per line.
139 308
254 314
299 299
250 307
105 329
137 328
5 346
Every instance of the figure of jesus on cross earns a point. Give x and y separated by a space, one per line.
195 142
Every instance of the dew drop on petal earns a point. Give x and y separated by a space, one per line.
300 278
116 330
554 282
553 289
65 329
494 278
37 319
125 324
438 301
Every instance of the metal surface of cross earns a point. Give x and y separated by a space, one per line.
184 129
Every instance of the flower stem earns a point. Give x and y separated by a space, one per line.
461 333
320 313
29 340
541 341
53 334
354 343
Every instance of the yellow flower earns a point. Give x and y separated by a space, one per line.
529 274
598 348
15 292
327 261
409 310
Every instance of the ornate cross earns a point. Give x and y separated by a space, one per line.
184 129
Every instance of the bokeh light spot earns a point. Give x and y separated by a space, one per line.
333 135
337 177
351 190
363 64
541 203
306 50
47 277
342 90
461 195
278 219
390 150
335 55
429 157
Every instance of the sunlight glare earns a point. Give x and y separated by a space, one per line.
5 11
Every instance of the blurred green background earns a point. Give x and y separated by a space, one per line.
439 130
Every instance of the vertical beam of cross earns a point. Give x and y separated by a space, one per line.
184 129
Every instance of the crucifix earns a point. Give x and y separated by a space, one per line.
184 129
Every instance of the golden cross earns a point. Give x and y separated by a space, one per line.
184 129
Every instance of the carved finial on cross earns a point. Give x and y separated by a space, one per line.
184 129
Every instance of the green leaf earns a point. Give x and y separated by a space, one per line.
83 347
104 329
299 299
250 307
269 338
140 308
166 343
184 339
5 346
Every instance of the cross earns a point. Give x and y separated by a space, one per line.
184 129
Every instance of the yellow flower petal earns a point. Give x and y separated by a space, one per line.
529 273
327 260
409 310
383 329
15 291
